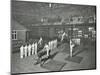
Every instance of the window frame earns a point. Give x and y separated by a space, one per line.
14 34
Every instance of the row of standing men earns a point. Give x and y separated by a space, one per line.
32 49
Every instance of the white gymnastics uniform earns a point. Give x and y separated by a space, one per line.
62 37
49 45
21 51
33 48
47 49
56 43
25 48
40 41
71 48
29 50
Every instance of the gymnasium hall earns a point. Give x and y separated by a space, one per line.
52 37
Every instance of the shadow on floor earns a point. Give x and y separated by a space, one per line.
75 53
42 61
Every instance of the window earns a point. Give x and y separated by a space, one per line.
14 35
80 33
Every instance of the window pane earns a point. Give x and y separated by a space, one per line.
15 37
12 36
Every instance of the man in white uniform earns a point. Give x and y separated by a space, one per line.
25 48
29 50
62 37
36 48
52 44
33 48
56 43
47 49
21 51
71 47
40 41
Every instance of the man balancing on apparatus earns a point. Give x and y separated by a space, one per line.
43 55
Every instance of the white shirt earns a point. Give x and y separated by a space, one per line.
21 49
63 36
47 49
29 47
25 47
56 42
71 44
40 41
33 46
49 45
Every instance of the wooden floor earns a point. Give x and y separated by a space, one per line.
87 52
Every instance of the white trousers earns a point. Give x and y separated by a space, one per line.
26 52
29 52
36 50
71 50
55 43
21 53
47 52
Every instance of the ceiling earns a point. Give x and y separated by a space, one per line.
32 12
